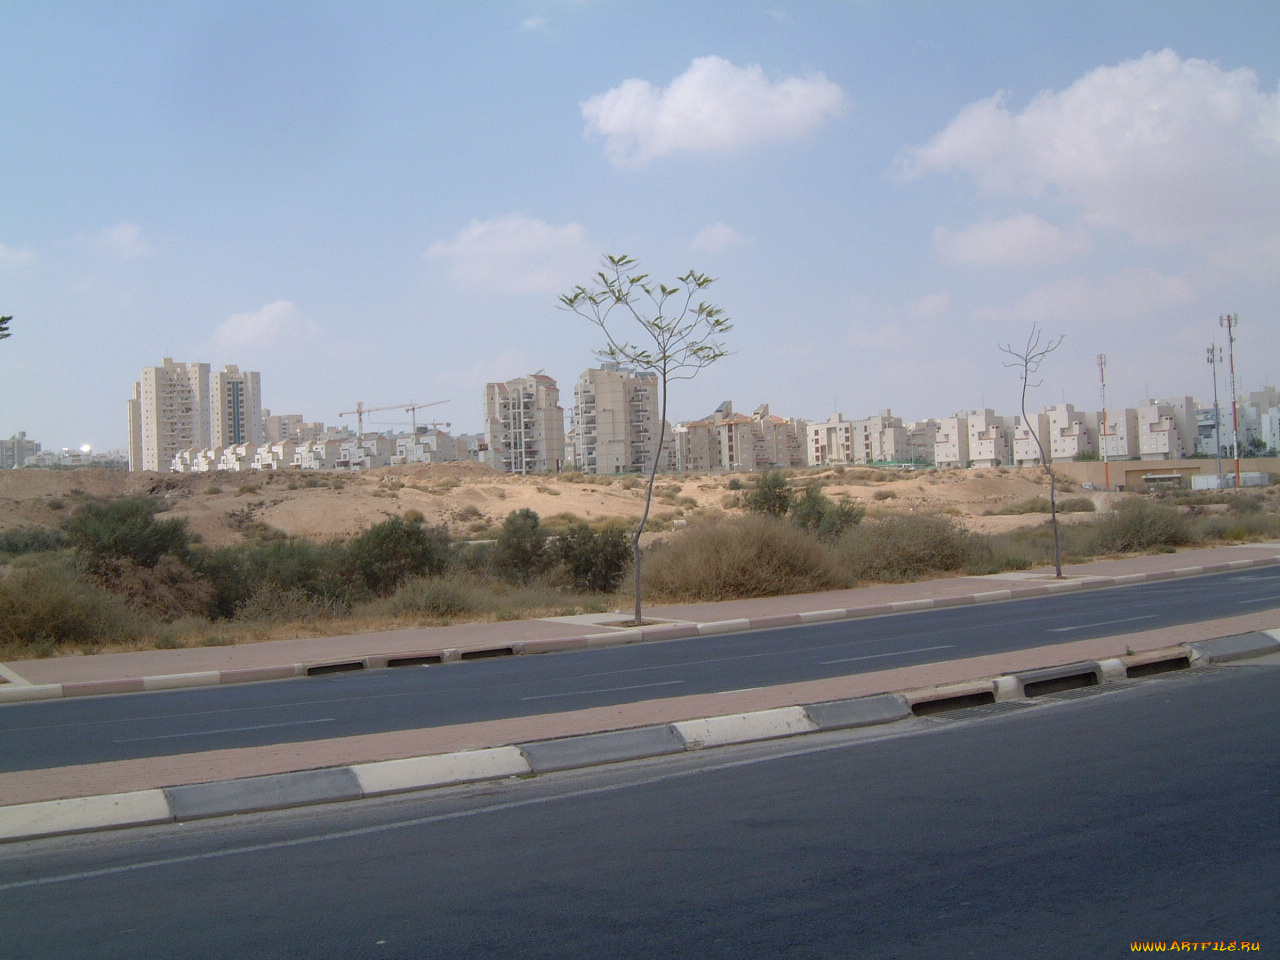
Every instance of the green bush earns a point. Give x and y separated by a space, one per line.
770 495
392 551
751 556
53 603
521 553
318 570
126 529
1138 525
817 513
596 561
906 547
22 540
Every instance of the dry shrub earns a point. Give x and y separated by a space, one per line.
750 556
54 603
275 606
906 547
168 591
1138 525
437 598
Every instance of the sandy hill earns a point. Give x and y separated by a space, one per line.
470 498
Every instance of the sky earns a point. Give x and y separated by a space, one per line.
382 202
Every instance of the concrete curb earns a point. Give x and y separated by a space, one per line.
11 692
335 784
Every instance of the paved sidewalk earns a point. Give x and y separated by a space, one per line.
42 802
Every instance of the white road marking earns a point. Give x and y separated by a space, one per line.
896 653
206 733
581 693
1100 623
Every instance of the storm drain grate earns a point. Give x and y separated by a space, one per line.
486 654
345 667
417 661
976 712
925 708
1157 667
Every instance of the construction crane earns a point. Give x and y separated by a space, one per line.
411 407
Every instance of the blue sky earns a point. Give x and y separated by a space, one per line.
381 202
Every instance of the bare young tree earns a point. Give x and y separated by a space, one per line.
678 336
1027 362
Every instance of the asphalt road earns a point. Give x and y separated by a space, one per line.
54 733
1069 827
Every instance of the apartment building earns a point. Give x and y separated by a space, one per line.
830 443
922 438
989 438
180 406
1119 439
1028 434
524 425
878 439
169 412
615 422
951 443
1167 429
15 451
235 407
726 440
1072 433
289 426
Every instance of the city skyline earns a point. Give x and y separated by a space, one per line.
382 204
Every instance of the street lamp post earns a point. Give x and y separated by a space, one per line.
1230 321
1215 358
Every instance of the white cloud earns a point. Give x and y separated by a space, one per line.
1164 149
1020 239
248 337
124 240
931 306
16 257
1131 295
517 253
535 25
714 107
717 237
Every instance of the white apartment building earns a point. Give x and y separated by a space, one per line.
733 441
428 445
289 426
524 425
235 407
1072 432
830 443
1028 434
169 411
922 438
15 451
951 444
1118 436
179 406
878 439
615 421
1167 429
989 438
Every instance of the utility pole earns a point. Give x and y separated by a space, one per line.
1106 464
1215 358
1230 321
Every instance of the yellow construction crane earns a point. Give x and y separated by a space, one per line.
411 407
